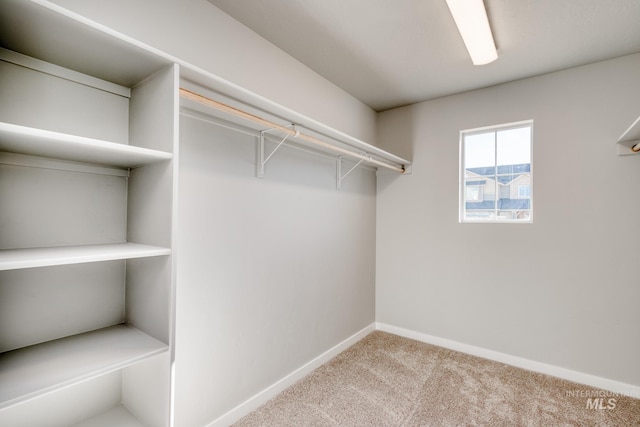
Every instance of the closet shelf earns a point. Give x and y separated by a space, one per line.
248 117
44 143
629 139
11 259
42 368
129 62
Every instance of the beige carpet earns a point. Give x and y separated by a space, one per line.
386 380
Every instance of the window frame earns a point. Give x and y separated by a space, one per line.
462 179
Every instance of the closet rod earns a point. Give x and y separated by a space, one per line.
185 93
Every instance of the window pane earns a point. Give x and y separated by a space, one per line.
484 207
480 150
480 191
514 146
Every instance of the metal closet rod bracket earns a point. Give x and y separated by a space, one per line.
261 161
339 176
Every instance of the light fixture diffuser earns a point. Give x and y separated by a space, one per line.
471 18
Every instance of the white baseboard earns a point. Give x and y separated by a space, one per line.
531 365
270 392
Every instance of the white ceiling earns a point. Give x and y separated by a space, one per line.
389 53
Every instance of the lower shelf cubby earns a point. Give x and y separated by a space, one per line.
36 370
134 396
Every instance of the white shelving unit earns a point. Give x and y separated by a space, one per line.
87 181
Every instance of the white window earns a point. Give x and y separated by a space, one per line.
496 174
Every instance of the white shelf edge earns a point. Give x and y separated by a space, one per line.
624 147
116 416
629 133
629 138
40 369
12 259
39 142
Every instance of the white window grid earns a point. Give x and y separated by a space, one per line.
462 197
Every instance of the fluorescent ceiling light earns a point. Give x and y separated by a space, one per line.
473 25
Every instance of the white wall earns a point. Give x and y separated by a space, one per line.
563 290
272 272
197 32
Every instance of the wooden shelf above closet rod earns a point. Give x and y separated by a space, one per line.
185 93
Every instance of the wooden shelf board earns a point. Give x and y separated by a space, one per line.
44 143
11 259
32 371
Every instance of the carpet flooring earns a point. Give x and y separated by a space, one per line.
387 380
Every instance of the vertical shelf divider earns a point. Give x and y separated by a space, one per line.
150 283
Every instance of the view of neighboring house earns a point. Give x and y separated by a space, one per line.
498 192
